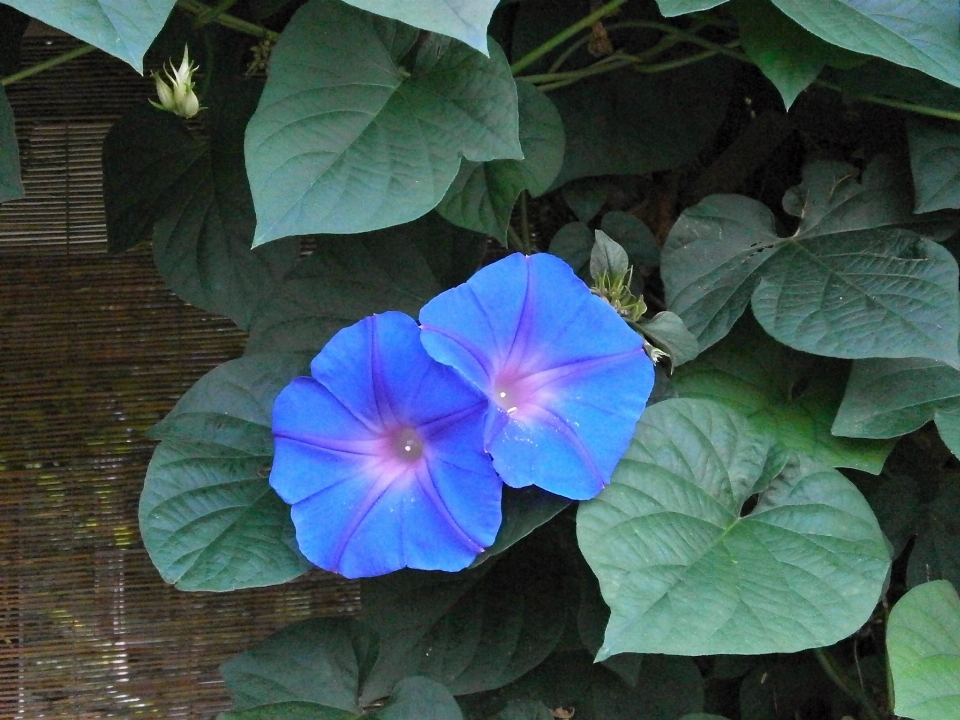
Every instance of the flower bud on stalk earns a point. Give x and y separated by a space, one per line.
178 96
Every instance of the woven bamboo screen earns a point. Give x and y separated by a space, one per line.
93 350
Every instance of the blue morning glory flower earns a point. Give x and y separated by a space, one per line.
566 379
380 453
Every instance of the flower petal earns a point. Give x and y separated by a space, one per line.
360 506
566 379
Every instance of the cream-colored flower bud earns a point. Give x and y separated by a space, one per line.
176 92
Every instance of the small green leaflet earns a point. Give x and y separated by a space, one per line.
124 30
482 195
465 20
353 135
11 187
935 161
316 670
684 573
208 517
825 289
921 34
789 395
923 644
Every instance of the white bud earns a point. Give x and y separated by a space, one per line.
176 92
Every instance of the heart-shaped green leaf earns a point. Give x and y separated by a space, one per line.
208 517
825 289
232 405
466 21
473 631
889 398
923 644
687 570
934 158
211 521
124 30
316 670
360 128
791 396
922 36
482 196
788 55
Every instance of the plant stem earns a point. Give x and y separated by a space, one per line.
684 35
561 37
46 65
215 12
205 14
898 104
839 679
525 225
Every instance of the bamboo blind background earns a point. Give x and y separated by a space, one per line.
93 350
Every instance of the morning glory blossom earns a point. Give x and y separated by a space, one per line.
565 377
380 453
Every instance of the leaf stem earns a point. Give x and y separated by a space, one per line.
561 37
837 675
46 65
206 14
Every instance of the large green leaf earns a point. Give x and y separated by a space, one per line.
464 20
524 710
923 34
627 123
208 516
791 396
687 570
923 643
11 186
193 197
788 55
524 510
472 632
124 30
791 686
482 195
827 288
352 135
889 398
316 670
667 688
936 550
232 405
211 521
935 161
344 280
